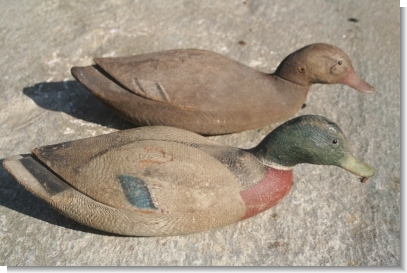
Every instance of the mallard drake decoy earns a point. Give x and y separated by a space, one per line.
161 181
207 93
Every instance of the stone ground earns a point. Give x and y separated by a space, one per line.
329 218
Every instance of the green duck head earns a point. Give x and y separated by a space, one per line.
313 140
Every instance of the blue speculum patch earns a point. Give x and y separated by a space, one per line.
136 192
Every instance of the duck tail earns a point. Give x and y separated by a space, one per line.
35 177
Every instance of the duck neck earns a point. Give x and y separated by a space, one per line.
274 162
289 70
303 85
280 157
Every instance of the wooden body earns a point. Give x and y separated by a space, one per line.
197 90
152 181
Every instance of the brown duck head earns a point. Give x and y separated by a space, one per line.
321 63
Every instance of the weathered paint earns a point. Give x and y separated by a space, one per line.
166 88
137 192
51 183
267 192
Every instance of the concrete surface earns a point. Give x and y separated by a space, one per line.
329 218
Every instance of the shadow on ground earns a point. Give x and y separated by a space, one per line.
71 98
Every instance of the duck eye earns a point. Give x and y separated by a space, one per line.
334 141
340 62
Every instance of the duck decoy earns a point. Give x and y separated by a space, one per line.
161 181
207 93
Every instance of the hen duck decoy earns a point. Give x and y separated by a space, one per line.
207 93
161 181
